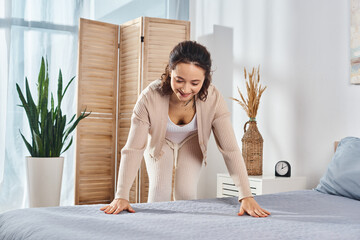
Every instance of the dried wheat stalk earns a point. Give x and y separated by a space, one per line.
254 92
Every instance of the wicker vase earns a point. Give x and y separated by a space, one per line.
252 148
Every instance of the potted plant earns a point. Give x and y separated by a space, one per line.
50 132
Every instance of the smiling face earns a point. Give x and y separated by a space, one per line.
186 81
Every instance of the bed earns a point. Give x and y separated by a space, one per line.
307 214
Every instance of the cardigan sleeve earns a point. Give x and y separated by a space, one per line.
132 152
227 144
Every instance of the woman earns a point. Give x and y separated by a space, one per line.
170 127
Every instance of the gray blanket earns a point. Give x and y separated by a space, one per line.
295 215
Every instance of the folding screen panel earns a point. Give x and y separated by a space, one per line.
129 85
97 84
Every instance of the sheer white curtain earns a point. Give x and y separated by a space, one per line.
4 59
30 29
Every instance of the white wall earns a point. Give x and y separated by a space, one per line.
303 49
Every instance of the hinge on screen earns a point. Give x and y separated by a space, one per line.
142 38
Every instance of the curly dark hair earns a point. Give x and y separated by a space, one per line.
188 52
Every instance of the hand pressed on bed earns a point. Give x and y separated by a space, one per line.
252 208
117 205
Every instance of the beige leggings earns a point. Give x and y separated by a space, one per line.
185 160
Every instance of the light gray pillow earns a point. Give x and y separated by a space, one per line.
343 174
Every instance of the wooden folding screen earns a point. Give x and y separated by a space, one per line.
143 52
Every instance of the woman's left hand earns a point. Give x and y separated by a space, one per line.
251 207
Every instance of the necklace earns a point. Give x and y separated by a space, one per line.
184 105
188 102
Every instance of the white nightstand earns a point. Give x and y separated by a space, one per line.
259 185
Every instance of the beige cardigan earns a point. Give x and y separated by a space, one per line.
148 129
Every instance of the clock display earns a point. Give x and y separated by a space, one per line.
282 169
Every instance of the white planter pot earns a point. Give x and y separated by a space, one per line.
44 181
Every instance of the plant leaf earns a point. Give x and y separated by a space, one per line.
68 85
59 91
73 126
39 148
44 99
41 79
31 110
67 146
52 103
73 117
28 146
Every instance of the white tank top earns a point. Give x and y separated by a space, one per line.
176 133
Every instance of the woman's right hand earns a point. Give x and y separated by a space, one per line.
117 205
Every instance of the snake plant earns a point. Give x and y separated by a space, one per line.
49 130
